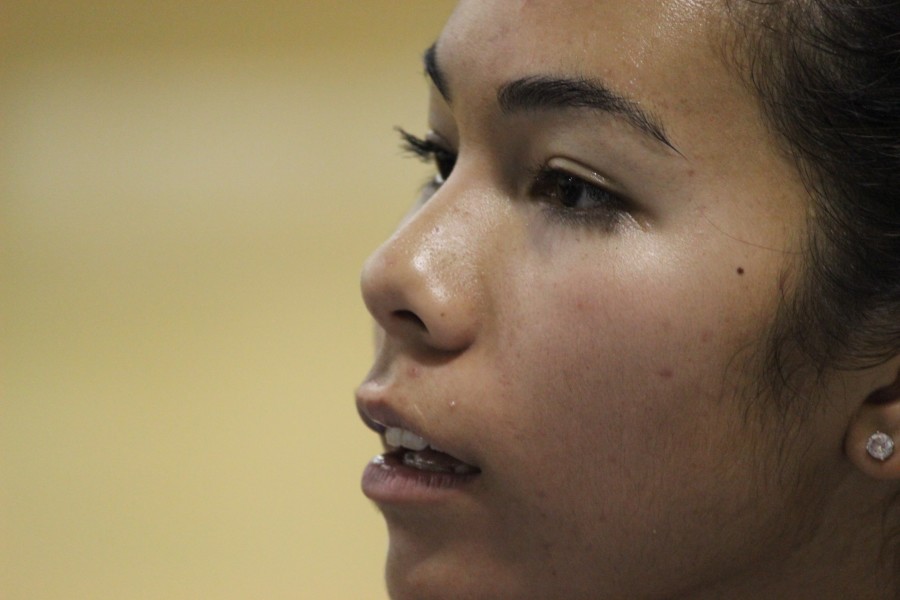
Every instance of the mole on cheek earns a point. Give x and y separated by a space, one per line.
740 270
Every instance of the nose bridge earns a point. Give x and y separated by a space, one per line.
424 282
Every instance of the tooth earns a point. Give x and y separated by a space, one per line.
417 461
393 436
412 441
396 437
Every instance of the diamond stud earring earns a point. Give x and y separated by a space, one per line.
880 446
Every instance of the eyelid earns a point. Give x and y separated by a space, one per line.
436 139
587 174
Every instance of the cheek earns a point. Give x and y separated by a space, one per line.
608 444
629 338
620 387
614 376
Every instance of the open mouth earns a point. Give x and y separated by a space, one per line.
412 469
415 452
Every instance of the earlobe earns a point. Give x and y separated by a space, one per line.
874 433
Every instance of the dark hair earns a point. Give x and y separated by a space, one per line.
827 73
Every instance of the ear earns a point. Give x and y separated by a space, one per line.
879 416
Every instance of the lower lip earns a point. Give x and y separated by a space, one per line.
387 480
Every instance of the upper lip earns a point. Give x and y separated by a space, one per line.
378 414
372 423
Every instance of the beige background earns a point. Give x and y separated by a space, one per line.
187 191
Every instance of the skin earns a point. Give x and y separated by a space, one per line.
600 371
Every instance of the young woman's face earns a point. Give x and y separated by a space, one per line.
578 312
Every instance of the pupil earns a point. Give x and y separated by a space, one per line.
569 191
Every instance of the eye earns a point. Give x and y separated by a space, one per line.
572 198
430 151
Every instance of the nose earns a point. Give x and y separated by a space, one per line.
423 285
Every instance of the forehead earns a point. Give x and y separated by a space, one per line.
665 54
576 27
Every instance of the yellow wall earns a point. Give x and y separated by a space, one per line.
187 191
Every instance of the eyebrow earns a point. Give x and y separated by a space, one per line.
434 72
538 93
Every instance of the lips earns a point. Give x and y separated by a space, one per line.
415 452
414 467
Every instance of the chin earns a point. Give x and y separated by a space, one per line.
453 571
463 568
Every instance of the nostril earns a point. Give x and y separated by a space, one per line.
410 317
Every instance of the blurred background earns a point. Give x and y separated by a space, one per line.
187 192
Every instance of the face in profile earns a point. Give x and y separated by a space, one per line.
572 319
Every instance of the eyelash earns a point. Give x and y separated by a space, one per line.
550 183
430 152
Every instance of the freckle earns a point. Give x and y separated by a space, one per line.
740 270
666 373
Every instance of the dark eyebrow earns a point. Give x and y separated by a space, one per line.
546 93
434 72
